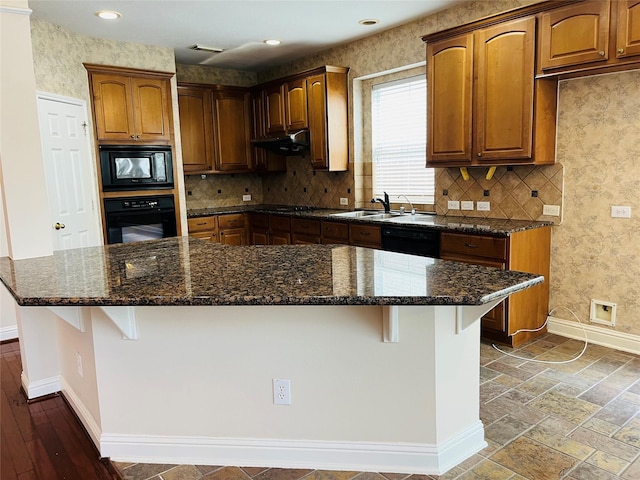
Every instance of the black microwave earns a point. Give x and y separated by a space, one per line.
135 167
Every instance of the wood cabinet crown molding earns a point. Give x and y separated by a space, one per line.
94 67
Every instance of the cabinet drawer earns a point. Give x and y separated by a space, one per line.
335 231
279 224
235 220
200 224
308 227
455 244
365 235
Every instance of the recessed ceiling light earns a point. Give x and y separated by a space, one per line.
108 14
368 22
272 42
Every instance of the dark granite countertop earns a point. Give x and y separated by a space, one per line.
474 225
189 271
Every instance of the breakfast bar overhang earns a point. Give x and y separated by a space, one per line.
167 351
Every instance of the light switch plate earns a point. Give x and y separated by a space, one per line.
246 198
453 205
466 205
551 210
483 206
620 211
344 201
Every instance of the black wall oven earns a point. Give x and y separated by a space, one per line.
139 218
136 167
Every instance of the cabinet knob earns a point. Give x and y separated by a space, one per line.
137 136
479 154
133 136
621 50
601 53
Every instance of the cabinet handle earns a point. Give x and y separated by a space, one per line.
203 223
471 245
621 50
365 234
601 53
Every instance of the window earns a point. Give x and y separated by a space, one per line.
399 137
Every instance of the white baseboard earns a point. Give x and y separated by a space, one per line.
8 333
83 413
625 342
40 388
274 453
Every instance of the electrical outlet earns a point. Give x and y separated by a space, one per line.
281 392
79 364
246 198
466 205
619 211
551 210
483 206
344 201
453 205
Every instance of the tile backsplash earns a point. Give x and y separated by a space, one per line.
518 192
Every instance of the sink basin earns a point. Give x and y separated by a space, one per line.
356 214
384 216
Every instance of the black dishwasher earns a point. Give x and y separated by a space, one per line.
414 241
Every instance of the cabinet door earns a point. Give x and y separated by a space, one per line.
280 238
233 236
274 110
505 69
263 160
628 29
113 107
232 128
575 34
449 107
196 129
151 109
317 103
295 101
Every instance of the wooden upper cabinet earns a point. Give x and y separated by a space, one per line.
275 122
328 120
232 129
628 28
482 98
196 129
505 69
575 34
450 74
295 101
131 107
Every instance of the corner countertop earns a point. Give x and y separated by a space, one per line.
188 271
473 225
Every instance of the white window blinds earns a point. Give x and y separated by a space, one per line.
399 137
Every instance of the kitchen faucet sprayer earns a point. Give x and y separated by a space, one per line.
385 202
413 210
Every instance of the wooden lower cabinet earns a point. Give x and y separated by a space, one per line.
258 228
203 227
365 236
305 231
525 251
334 233
230 229
279 230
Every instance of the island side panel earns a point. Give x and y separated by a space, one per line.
205 374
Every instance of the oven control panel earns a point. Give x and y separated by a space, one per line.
139 203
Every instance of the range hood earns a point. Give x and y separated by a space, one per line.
291 144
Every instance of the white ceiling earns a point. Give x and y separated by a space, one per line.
238 26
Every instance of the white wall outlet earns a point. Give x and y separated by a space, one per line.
79 364
453 205
344 201
619 211
466 205
281 392
551 210
246 197
483 206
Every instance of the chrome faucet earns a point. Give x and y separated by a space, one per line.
413 210
385 202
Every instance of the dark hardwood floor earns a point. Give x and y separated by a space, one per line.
42 440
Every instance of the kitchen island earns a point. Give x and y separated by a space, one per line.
167 351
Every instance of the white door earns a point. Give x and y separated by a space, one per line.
70 171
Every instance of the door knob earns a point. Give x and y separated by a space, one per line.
59 226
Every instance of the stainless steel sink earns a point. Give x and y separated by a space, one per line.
356 214
384 216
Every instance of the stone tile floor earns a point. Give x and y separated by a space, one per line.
573 421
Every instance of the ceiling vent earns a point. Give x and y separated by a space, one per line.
204 48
